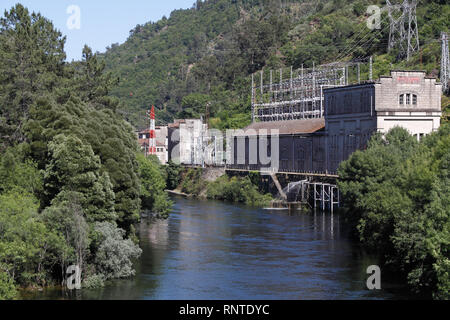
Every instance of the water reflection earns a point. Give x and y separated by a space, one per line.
214 250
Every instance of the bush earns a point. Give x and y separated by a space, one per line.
114 256
153 185
192 183
94 281
7 287
236 189
173 175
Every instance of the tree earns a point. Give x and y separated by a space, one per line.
173 175
114 256
26 244
8 290
75 169
153 184
31 63
92 83
66 217
396 199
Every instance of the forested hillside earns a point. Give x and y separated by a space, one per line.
199 60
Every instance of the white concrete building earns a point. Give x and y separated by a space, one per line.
408 99
187 141
162 142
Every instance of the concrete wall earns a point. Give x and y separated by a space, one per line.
421 116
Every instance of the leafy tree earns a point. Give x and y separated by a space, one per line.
153 184
25 242
115 254
173 175
74 168
386 190
67 218
8 290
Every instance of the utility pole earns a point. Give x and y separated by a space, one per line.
404 32
445 63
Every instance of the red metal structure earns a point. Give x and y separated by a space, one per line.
152 132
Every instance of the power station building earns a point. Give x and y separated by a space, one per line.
351 114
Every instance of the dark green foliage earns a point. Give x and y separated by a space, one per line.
31 64
73 168
153 185
173 172
193 183
237 189
28 248
8 290
396 199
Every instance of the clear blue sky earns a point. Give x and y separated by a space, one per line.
103 22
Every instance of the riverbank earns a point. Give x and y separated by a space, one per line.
215 184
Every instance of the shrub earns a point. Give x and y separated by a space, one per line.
114 256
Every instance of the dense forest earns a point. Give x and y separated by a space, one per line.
72 182
197 62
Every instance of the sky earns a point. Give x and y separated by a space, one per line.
98 23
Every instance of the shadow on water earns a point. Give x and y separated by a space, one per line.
215 250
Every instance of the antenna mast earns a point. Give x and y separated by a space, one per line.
152 132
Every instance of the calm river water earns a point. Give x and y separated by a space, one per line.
215 250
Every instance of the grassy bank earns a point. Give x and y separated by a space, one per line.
193 182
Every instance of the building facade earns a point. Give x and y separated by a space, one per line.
187 141
406 99
352 114
162 143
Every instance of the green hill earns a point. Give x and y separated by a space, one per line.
199 60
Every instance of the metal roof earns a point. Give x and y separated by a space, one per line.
287 127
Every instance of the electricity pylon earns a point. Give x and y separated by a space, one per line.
404 32
445 63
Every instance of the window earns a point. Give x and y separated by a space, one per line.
407 98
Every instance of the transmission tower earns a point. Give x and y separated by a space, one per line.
445 63
404 33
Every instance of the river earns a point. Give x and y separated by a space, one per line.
215 250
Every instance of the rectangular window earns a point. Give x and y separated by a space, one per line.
401 99
414 99
408 99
